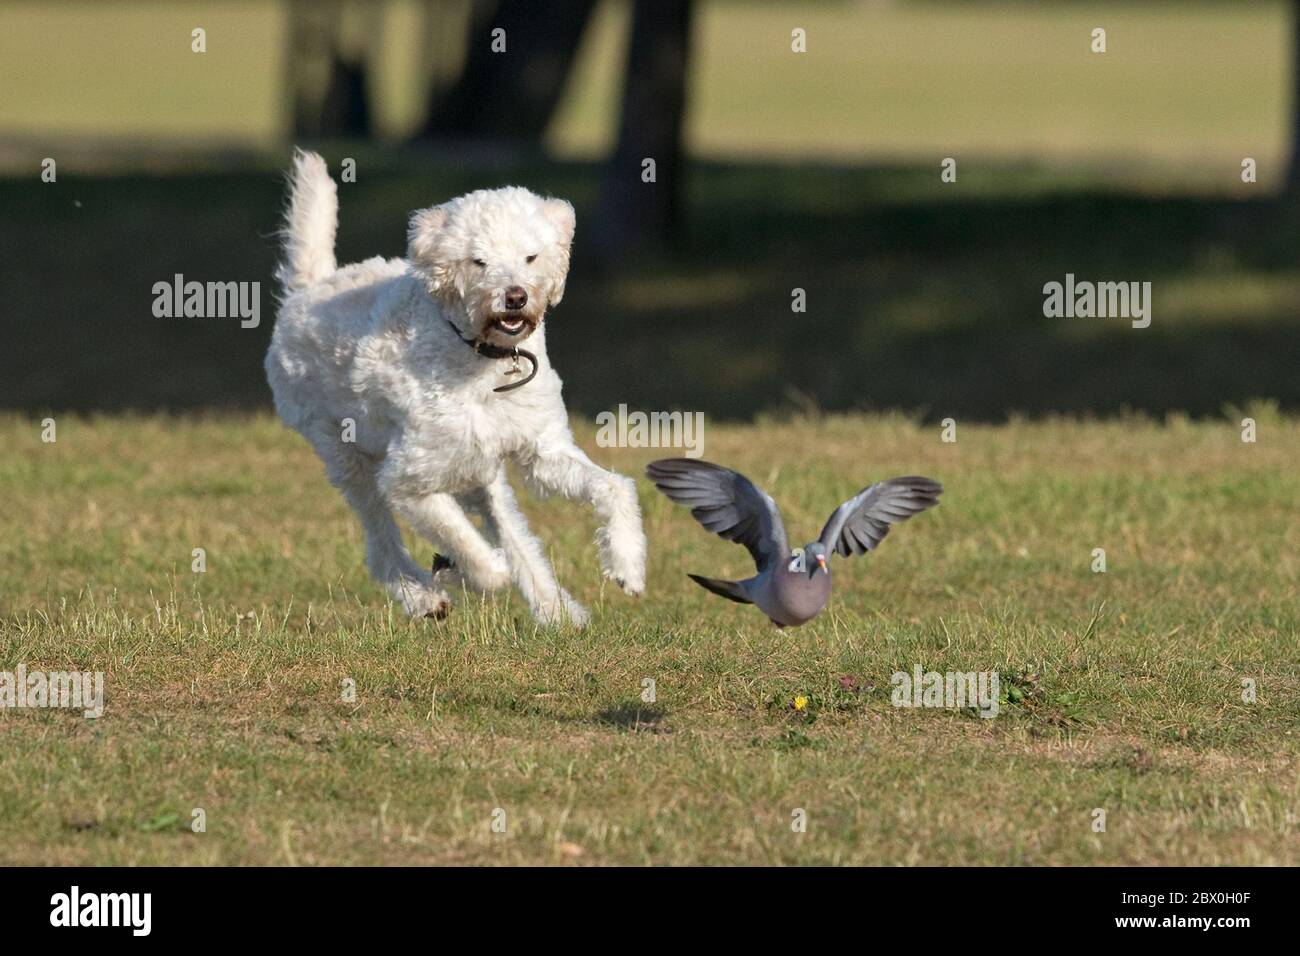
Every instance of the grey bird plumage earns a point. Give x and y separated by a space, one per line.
791 586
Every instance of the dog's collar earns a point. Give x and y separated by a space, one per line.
488 350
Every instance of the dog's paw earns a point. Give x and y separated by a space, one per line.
578 615
439 611
622 559
634 586
419 600
564 610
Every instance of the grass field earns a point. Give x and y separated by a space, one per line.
223 688
1124 689
920 296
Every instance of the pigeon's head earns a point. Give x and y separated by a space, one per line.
809 560
816 557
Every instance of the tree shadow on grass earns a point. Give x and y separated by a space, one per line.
916 299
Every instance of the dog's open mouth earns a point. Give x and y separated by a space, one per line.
512 325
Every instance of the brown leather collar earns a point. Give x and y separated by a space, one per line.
488 350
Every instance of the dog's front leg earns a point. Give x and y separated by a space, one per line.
532 573
439 518
557 465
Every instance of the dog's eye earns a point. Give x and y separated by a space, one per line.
530 258
480 263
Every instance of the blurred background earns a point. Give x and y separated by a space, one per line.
776 170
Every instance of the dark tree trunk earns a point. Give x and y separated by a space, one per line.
634 213
340 105
346 110
511 95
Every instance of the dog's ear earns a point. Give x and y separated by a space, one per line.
560 214
424 237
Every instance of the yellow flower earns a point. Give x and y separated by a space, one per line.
800 703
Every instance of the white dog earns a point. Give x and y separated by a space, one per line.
408 378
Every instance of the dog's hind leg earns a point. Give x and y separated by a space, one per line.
387 559
529 568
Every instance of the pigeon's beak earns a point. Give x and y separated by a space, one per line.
821 563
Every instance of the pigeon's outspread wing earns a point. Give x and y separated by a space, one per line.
725 502
862 522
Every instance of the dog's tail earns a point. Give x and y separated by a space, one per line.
309 224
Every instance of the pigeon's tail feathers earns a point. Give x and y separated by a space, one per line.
731 590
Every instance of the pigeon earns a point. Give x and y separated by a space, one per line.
792 586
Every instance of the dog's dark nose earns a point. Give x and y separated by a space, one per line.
516 298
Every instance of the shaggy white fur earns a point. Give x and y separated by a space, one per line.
368 352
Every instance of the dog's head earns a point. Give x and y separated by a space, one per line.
500 254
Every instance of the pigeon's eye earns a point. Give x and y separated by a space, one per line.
530 258
480 263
